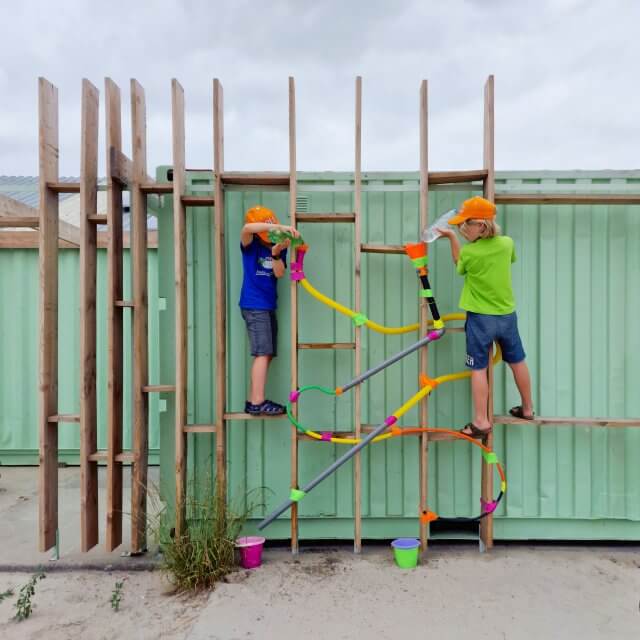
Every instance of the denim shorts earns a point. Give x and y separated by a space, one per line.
482 330
262 327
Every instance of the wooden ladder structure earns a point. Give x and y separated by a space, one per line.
486 176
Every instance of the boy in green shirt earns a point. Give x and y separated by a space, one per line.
487 297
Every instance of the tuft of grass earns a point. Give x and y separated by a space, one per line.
24 605
6 594
204 553
116 595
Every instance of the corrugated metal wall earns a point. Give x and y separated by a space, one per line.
578 300
19 294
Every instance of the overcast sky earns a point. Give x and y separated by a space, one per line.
566 77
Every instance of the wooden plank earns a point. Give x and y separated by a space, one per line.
140 399
157 188
326 345
63 187
486 524
221 294
64 417
124 303
26 221
120 167
200 428
96 219
13 208
158 388
237 415
266 178
198 201
29 240
382 248
293 187
570 421
48 258
454 177
88 297
424 221
114 316
181 311
567 198
325 217
357 263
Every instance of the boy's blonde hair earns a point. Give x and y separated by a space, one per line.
490 228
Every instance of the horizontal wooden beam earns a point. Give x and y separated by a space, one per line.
10 208
22 221
156 187
570 421
200 428
382 248
29 239
64 187
124 303
158 388
325 217
97 219
265 178
101 456
248 416
326 345
198 201
567 198
67 417
452 177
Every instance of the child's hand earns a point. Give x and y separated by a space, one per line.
277 249
287 229
446 233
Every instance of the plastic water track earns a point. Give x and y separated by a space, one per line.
388 428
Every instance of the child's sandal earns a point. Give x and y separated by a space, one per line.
474 432
517 412
269 408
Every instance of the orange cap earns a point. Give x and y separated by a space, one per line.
474 208
261 214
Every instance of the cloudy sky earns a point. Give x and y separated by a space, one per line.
566 73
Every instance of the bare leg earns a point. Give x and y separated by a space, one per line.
523 382
259 370
480 394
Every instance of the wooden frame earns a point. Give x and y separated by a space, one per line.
122 174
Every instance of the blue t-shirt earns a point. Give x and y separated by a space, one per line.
259 284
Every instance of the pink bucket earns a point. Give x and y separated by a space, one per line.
250 551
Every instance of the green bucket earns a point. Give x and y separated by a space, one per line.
405 552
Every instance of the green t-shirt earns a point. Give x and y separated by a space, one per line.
486 266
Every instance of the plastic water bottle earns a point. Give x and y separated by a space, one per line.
433 232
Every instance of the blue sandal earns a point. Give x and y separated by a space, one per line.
266 408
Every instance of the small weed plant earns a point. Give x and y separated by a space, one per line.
24 605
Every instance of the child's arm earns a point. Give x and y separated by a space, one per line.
246 234
455 244
278 264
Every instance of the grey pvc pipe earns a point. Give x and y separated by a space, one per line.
398 356
358 447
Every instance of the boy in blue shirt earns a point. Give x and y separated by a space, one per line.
263 263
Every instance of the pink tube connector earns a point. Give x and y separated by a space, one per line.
488 507
390 421
294 395
297 275
326 436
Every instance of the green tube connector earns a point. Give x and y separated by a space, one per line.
296 495
359 319
422 261
489 458
426 293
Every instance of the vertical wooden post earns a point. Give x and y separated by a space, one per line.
48 258
424 219
114 319
221 295
293 187
180 272
140 321
486 524
357 257
88 275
